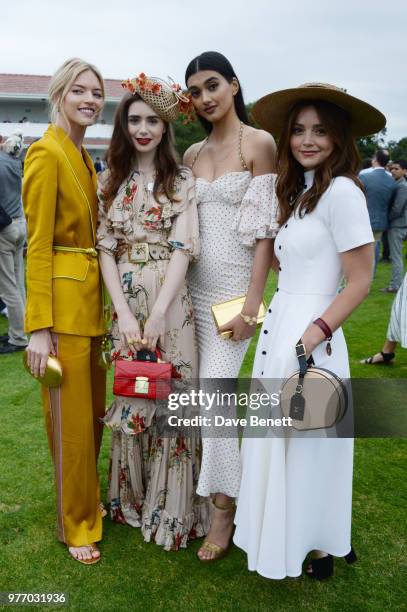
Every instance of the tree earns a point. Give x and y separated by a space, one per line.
368 145
186 135
398 150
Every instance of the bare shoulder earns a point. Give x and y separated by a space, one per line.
190 153
259 150
256 139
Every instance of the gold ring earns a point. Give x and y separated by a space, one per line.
144 341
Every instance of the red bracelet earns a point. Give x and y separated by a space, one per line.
324 327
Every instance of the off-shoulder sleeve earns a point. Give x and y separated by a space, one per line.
105 240
348 217
184 233
257 214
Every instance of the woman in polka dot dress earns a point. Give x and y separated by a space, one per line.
237 216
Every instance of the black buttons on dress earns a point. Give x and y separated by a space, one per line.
305 186
262 373
277 289
269 309
279 267
279 248
266 331
264 352
286 225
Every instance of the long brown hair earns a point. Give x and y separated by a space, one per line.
121 156
343 161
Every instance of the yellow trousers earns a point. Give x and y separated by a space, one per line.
72 412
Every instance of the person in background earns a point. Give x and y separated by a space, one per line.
99 165
397 225
396 331
12 240
380 189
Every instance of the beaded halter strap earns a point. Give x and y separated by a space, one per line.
242 160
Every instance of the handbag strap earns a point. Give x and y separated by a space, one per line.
303 363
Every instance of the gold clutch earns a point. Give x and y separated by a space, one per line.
53 372
226 311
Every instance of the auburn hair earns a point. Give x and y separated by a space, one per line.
343 161
121 156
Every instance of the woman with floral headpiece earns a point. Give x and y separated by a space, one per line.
147 235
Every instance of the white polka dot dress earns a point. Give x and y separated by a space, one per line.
234 210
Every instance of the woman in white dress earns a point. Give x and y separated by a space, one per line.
296 493
234 187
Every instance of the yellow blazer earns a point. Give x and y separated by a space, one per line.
63 288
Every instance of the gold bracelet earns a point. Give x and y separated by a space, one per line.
248 319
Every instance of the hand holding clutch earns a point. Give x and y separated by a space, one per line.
38 350
52 376
229 321
237 329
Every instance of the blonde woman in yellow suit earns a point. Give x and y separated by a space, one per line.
64 312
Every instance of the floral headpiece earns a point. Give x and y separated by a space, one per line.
167 99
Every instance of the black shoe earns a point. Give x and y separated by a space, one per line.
7 347
322 568
4 338
351 557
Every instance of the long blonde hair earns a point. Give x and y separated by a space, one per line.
62 81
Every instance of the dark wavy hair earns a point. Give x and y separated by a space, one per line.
121 156
343 161
212 60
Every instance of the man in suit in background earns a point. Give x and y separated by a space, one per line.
12 240
380 189
397 225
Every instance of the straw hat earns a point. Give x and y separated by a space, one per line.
271 111
165 98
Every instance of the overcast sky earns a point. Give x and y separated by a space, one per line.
356 44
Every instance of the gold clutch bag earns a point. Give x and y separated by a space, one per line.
53 372
226 311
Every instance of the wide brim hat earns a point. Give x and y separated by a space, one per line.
271 111
165 98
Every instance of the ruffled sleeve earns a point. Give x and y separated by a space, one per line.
257 214
105 240
184 233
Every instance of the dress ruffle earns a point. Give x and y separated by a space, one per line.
257 214
164 511
123 216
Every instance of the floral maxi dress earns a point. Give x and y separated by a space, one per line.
153 478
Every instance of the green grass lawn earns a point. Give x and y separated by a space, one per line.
134 575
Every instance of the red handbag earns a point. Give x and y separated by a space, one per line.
146 377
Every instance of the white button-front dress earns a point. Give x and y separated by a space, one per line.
296 494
